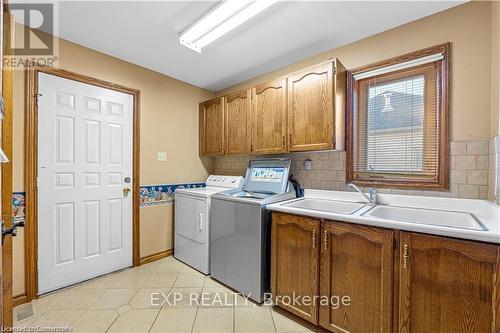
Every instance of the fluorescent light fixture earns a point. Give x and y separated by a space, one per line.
220 20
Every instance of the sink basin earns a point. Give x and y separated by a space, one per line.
443 218
331 206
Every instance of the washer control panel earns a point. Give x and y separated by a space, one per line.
225 181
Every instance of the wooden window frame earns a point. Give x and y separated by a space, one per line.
386 180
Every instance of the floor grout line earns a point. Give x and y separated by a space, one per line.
195 316
272 318
154 321
111 325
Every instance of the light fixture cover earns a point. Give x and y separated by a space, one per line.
220 20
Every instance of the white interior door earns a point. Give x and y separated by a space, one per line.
84 156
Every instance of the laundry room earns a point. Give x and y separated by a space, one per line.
250 166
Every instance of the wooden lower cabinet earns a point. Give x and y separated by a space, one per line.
356 265
396 281
448 285
294 264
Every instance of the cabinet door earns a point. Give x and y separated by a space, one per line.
211 127
448 285
356 263
237 108
269 118
310 108
294 264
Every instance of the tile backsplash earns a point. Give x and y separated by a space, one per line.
472 173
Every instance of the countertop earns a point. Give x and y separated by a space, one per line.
486 211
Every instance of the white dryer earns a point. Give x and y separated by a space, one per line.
192 225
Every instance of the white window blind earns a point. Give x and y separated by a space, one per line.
396 121
399 66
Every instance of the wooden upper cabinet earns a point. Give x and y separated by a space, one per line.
269 118
237 109
312 107
305 111
448 285
211 127
294 263
356 261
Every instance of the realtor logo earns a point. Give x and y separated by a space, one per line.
33 41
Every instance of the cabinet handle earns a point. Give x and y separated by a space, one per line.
283 141
405 256
290 139
314 238
325 239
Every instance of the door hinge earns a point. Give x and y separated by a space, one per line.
37 97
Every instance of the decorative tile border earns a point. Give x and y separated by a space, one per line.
18 204
149 195
155 195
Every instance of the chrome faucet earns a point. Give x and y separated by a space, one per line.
372 199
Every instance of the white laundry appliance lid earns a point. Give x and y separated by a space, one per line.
203 192
214 184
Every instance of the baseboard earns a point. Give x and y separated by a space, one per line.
19 299
156 256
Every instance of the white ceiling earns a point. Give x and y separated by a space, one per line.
146 33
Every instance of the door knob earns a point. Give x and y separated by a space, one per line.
126 191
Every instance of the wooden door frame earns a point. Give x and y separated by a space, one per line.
31 167
7 91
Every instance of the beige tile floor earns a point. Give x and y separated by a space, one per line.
121 302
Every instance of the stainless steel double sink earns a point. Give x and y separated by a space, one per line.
435 217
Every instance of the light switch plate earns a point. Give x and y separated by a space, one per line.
162 156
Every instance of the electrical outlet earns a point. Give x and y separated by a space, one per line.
162 156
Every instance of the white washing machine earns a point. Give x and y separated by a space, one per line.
192 225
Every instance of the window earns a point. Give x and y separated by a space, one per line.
398 122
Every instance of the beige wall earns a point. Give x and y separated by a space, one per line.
467 27
169 122
495 68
